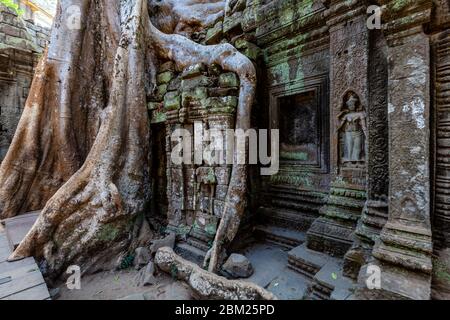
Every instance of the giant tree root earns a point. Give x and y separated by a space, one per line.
206 284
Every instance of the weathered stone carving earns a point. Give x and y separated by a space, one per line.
354 108
405 241
353 131
349 52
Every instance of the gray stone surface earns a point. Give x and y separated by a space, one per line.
168 241
238 266
146 276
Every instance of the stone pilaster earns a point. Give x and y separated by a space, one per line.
405 246
349 54
375 212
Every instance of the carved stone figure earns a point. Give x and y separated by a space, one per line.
353 130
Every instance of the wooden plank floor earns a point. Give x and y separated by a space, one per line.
19 280
17 228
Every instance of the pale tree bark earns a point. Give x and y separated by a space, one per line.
81 151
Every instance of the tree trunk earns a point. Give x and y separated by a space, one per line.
88 220
63 112
81 150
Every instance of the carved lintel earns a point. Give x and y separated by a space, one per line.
341 11
402 19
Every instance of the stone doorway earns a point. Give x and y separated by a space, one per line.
293 197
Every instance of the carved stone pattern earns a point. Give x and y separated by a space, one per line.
378 166
347 59
442 179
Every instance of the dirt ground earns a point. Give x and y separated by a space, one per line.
118 285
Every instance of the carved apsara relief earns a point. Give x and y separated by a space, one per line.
352 132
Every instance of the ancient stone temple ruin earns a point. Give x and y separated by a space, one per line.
359 92
363 143
21 44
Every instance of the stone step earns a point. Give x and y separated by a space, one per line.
190 253
324 271
330 284
306 261
284 237
197 244
271 272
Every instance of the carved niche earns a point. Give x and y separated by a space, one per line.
299 128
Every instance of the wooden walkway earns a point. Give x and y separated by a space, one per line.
19 280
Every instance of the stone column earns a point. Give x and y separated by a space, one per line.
375 212
349 53
404 250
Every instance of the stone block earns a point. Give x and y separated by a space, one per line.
158 116
193 71
146 276
161 92
249 49
164 77
20 43
232 23
199 81
223 92
249 19
11 30
221 102
228 80
142 257
238 266
215 34
174 84
195 96
172 101
154 105
206 175
207 223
